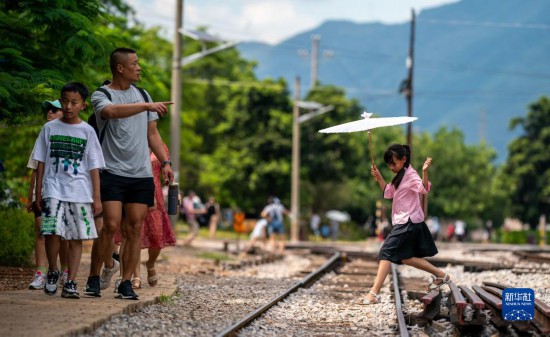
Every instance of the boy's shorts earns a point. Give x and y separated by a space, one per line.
127 190
276 227
70 220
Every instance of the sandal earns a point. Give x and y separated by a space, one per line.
366 301
446 279
136 283
152 279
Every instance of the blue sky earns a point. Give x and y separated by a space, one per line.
272 21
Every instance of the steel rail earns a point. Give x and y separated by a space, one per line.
403 331
330 264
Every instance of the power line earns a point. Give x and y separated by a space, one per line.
372 93
519 25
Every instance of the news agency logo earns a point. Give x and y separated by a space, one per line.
518 304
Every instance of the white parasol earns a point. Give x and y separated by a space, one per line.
337 216
367 124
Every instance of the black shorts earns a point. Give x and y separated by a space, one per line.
407 241
127 190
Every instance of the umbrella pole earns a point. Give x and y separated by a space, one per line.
371 154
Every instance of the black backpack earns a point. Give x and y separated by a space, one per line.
92 120
93 123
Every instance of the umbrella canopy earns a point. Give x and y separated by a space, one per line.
337 216
368 123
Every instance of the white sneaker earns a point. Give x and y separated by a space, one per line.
38 281
107 274
117 283
64 278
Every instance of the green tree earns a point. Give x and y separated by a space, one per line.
462 175
44 44
527 170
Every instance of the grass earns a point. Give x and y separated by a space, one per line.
214 256
182 230
166 299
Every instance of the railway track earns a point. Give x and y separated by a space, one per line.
334 285
337 282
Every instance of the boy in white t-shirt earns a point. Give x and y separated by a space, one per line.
52 110
67 185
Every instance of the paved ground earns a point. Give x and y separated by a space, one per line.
33 313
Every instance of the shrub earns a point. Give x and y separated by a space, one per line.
16 237
520 237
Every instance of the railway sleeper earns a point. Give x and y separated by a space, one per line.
473 313
542 310
457 305
432 306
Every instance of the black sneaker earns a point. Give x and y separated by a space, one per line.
50 288
92 287
126 292
69 290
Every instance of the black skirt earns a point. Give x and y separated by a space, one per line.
407 241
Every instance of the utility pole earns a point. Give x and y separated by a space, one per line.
175 120
314 59
409 91
409 96
295 178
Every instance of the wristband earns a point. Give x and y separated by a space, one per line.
164 163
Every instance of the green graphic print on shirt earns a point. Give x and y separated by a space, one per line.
68 149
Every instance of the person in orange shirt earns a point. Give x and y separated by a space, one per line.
238 221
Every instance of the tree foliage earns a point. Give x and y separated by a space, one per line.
236 135
461 174
527 170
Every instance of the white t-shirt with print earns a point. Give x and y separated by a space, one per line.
69 152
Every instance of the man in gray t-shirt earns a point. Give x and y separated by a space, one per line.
124 143
127 128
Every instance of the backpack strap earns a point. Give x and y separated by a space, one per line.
145 97
101 134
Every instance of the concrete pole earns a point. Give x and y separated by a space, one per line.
314 59
175 119
295 178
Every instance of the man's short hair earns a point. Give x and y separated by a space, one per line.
116 57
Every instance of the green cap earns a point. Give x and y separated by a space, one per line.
48 105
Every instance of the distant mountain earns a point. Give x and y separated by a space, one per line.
477 65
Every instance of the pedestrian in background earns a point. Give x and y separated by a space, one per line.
156 232
274 212
213 215
192 207
52 110
315 223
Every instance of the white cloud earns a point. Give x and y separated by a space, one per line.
272 21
